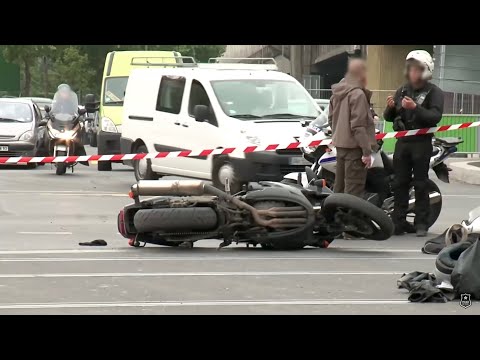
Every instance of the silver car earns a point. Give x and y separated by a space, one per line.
19 119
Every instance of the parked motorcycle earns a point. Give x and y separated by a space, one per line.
271 214
380 177
64 129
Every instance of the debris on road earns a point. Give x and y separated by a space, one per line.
98 242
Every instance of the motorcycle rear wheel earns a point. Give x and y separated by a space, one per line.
378 224
172 220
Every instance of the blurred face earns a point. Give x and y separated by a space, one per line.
415 72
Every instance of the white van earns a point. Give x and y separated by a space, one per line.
215 106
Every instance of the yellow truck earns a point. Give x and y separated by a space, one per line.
118 65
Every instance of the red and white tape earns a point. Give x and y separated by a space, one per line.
223 151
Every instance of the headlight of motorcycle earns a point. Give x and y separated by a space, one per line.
26 136
108 125
67 135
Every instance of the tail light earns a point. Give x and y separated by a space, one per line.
122 229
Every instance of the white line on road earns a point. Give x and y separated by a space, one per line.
313 302
147 250
58 192
45 232
209 273
208 258
462 195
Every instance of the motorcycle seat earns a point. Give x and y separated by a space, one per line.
449 141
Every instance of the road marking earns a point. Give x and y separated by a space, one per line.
158 248
205 303
83 194
56 192
209 273
208 258
66 251
313 302
462 195
45 232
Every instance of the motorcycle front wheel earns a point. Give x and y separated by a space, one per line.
61 167
361 218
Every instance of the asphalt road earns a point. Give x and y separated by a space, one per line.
43 270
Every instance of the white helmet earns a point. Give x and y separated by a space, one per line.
425 59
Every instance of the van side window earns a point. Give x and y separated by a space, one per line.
198 96
170 94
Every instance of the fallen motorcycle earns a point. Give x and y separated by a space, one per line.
380 178
270 214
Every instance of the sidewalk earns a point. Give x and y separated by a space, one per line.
465 170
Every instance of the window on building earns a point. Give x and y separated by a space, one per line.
170 94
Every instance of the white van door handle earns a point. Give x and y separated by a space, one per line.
177 123
185 125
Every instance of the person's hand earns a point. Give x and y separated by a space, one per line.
390 102
367 160
408 103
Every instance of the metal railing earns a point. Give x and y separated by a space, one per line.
455 103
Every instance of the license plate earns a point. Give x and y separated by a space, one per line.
3 148
298 161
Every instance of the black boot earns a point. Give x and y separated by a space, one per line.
404 227
421 231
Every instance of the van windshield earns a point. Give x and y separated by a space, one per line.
114 92
264 99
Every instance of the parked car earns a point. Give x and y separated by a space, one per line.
19 119
41 102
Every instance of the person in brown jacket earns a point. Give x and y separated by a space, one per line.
353 129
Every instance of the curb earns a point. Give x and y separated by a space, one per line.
462 171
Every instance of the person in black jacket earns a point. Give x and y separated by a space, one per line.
416 105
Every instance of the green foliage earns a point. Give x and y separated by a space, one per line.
73 68
43 67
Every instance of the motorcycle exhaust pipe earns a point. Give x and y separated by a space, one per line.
169 187
199 188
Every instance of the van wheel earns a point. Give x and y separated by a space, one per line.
222 170
143 168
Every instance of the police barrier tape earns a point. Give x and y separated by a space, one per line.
223 151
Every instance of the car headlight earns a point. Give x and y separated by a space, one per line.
108 125
26 136
253 140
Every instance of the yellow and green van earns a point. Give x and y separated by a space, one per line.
118 65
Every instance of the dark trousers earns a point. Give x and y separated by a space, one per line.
351 173
412 158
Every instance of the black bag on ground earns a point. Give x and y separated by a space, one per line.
435 245
466 274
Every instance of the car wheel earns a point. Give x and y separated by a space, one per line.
143 168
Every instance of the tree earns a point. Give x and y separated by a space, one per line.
25 56
72 67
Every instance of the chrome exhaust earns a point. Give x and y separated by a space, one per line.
169 187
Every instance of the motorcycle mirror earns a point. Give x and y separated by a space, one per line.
47 108
82 112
